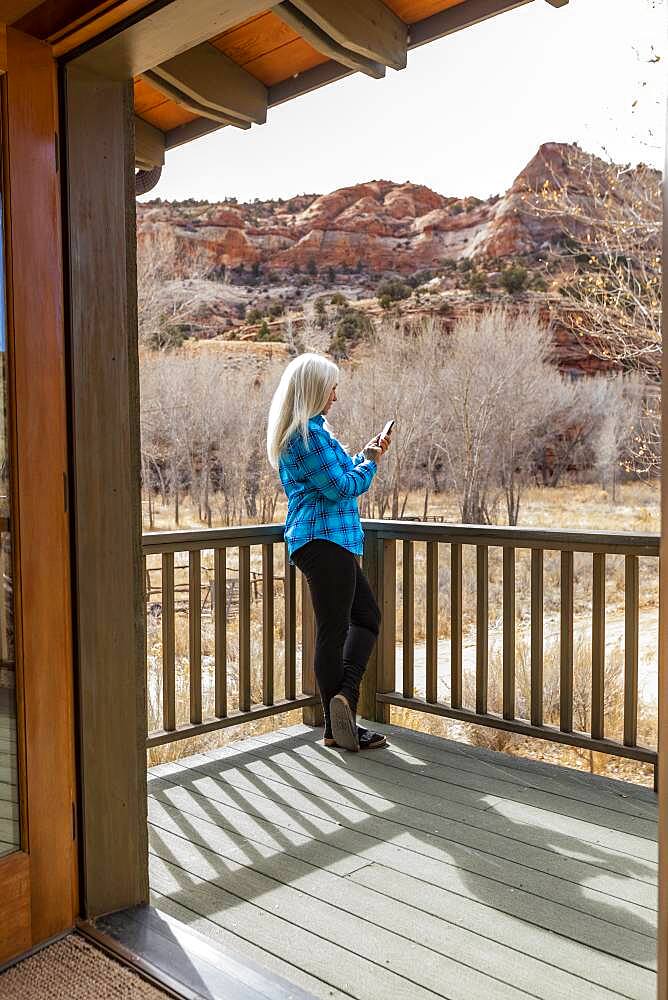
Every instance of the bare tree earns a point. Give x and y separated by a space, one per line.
611 218
167 292
502 398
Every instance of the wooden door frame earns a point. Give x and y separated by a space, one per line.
44 873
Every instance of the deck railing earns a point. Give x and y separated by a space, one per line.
380 686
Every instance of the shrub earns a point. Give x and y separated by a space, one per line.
514 278
477 282
394 289
253 315
338 299
352 327
264 333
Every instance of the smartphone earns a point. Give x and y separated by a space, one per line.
387 429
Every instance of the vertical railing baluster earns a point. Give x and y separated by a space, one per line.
268 623
387 673
168 644
408 600
456 630
482 629
631 639
244 629
290 626
431 638
537 637
598 647
508 633
195 645
566 645
220 626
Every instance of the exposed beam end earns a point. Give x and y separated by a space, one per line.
557 3
321 41
367 27
149 145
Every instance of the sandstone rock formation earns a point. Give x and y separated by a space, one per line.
375 227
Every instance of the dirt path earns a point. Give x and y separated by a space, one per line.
614 638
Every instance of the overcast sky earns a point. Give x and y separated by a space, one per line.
464 117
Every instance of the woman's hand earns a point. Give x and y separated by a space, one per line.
373 452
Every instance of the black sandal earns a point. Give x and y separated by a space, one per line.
366 739
370 741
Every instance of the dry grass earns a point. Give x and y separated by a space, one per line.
557 753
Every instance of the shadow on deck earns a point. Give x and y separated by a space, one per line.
429 869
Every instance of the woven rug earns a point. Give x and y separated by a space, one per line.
73 969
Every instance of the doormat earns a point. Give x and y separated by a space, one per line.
73 969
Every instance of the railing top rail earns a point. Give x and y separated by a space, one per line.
210 538
633 543
621 543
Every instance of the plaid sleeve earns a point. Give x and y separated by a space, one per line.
358 458
321 466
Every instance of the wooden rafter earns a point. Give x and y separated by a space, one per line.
558 3
191 104
213 80
323 42
368 27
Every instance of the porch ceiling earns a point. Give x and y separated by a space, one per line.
197 68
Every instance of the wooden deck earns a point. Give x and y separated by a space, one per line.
9 792
429 869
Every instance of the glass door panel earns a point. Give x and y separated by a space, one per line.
10 833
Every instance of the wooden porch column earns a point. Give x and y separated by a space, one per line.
104 392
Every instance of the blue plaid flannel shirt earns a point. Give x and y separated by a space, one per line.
322 483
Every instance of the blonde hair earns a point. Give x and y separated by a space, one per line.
302 393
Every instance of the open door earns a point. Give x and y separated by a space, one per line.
38 872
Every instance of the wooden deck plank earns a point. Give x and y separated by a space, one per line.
558 784
425 971
499 961
618 875
502 787
242 829
490 924
247 949
473 810
466 912
593 917
475 873
340 968
499 760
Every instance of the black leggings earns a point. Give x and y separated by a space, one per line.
347 619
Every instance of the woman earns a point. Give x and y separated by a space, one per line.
324 536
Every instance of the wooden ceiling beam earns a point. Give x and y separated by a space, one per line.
168 31
323 42
455 18
364 26
558 3
191 104
215 81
